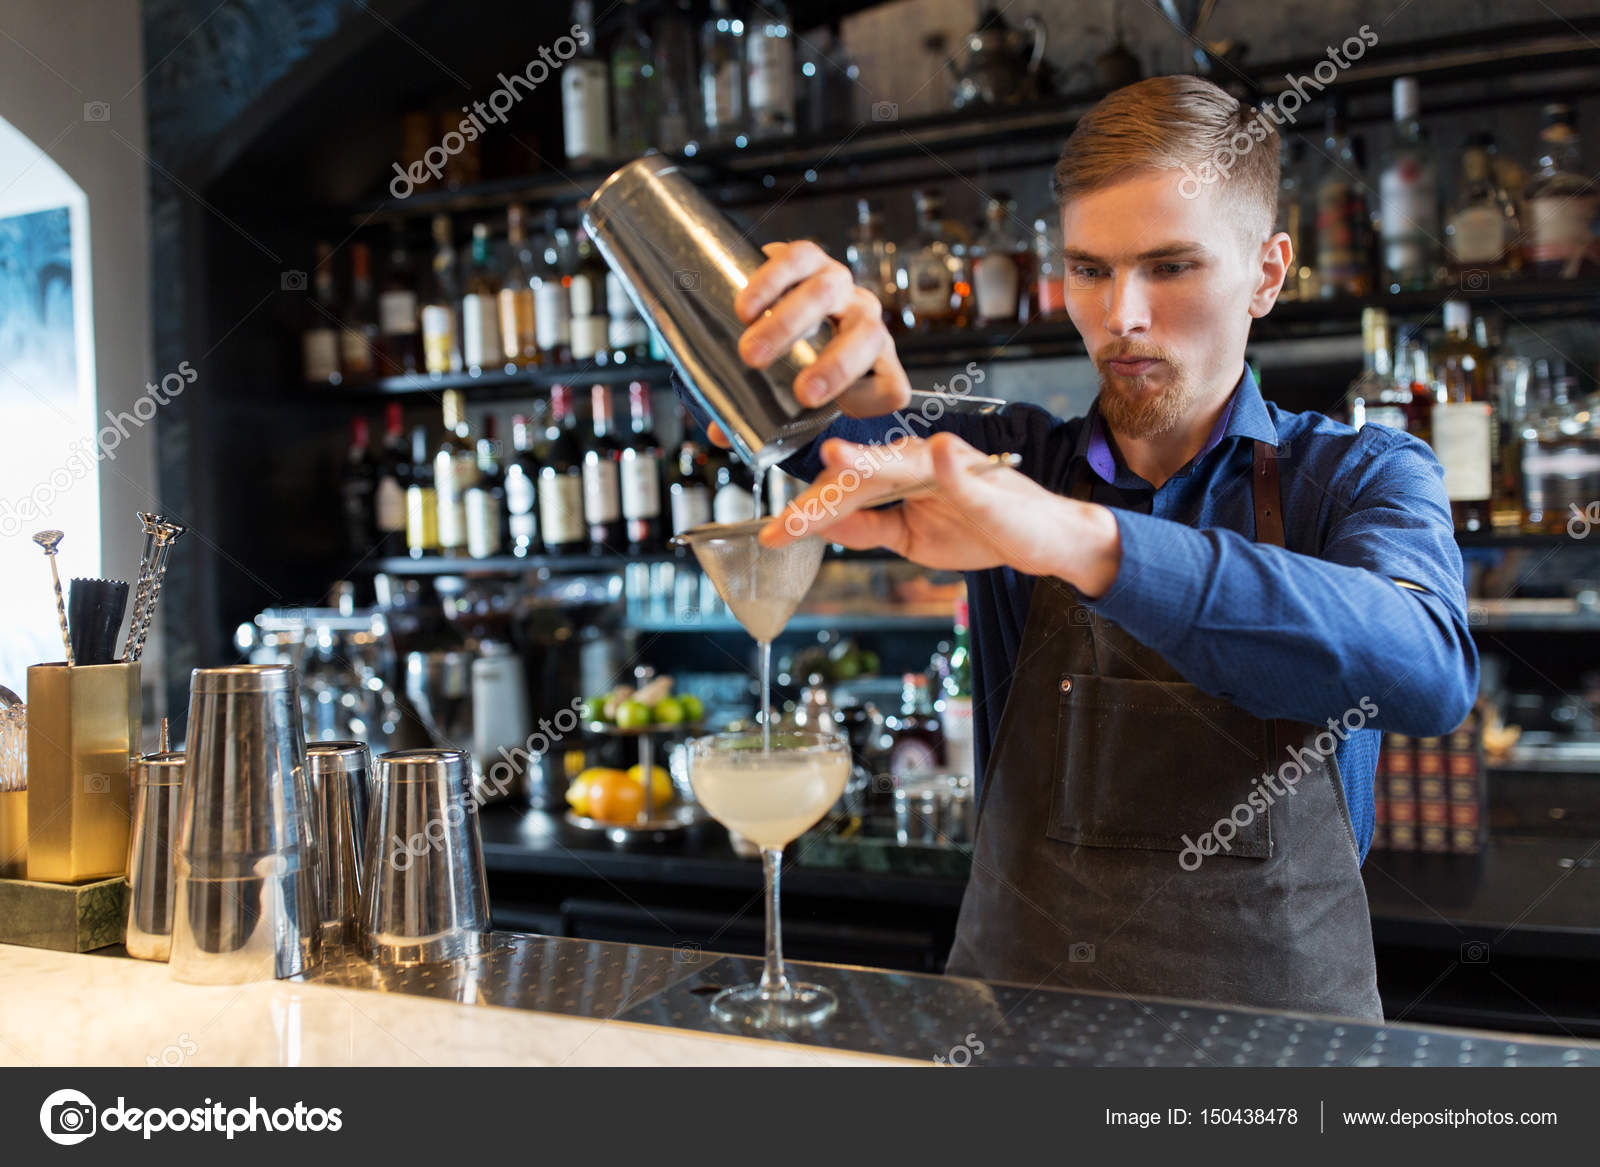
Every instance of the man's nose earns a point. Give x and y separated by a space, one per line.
1127 305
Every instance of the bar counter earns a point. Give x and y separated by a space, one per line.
534 1000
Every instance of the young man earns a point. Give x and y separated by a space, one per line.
1192 611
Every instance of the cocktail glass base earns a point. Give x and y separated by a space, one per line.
762 1010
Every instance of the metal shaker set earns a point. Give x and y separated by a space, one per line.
273 853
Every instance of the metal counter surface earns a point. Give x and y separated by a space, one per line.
940 1019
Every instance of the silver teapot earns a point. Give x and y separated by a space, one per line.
1003 64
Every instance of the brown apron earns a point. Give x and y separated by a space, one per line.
1106 768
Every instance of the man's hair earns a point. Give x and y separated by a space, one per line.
1183 124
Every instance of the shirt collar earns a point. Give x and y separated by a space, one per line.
1244 416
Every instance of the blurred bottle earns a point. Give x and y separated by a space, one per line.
1409 186
522 477
825 97
633 86
602 480
955 703
1562 200
586 297
1296 214
358 491
440 337
1483 228
481 346
399 331
585 99
641 473
358 336
1415 382
733 498
1463 421
561 520
519 333
688 488
916 739
1000 265
422 504
871 259
626 331
1050 282
552 312
455 471
1374 398
319 334
389 500
1344 258
485 499
769 50
677 117
935 290
722 66
1560 453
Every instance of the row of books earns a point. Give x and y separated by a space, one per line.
1430 792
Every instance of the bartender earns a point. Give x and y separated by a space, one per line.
1192 612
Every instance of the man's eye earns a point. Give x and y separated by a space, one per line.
1083 272
1172 269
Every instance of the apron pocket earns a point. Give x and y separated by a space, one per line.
1155 765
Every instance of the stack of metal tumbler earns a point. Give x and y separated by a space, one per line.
280 852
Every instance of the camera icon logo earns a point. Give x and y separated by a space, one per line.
885 111
294 281
97 784
1474 280
685 952
96 111
686 281
1081 953
67 1117
1079 279
1474 952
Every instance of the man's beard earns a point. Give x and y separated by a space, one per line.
1132 408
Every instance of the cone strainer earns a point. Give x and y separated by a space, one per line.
762 586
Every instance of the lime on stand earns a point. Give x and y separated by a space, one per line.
667 711
633 715
693 709
594 709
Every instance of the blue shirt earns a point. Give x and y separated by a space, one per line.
1304 632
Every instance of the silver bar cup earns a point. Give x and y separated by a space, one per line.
682 261
152 850
424 897
247 859
340 774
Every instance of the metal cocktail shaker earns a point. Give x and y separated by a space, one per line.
157 798
247 860
682 261
340 776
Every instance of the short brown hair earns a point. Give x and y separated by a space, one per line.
1175 123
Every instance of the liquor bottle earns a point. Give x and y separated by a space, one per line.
626 331
829 80
519 336
1561 454
1374 397
399 329
586 296
455 471
916 739
641 473
422 503
1561 203
389 501
358 490
1050 279
932 276
561 518
769 49
481 347
319 337
521 479
1484 224
871 259
722 65
733 498
1295 216
1409 186
358 336
1414 381
677 123
1463 421
1344 257
585 100
602 478
688 487
440 337
633 86
552 314
955 703
485 499
1510 379
1000 268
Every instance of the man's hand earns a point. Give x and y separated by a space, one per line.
787 297
969 522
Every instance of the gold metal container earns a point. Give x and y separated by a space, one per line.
83 725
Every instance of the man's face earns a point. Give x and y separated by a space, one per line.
1160 287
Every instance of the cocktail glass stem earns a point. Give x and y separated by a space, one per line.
773 979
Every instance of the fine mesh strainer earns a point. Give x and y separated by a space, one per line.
762 586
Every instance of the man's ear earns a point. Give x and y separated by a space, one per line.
1274 259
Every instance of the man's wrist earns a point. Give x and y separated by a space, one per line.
1090 554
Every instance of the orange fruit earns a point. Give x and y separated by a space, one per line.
614 797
